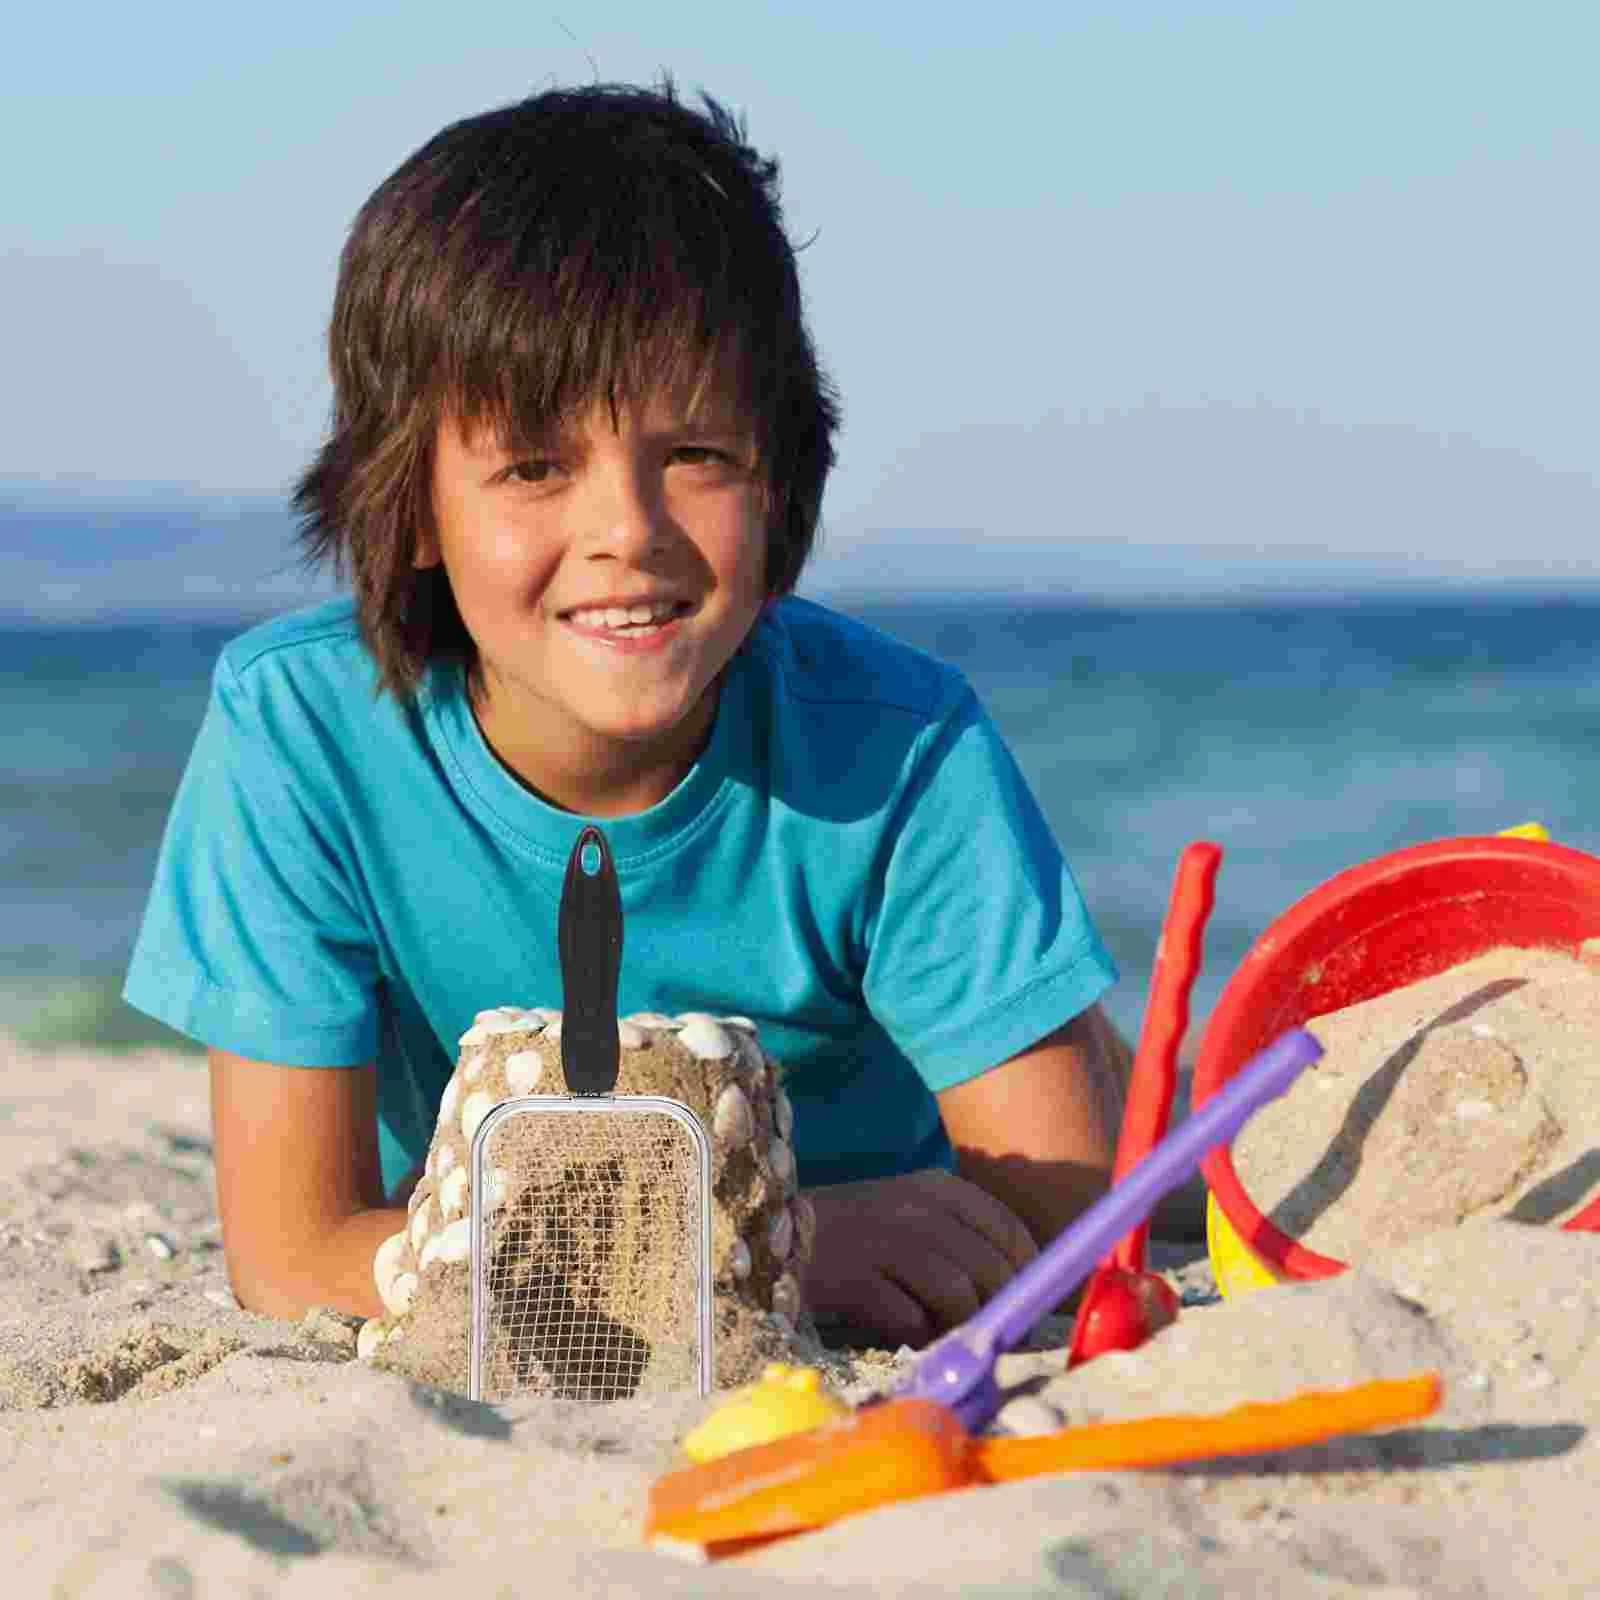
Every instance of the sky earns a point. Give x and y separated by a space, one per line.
1165 295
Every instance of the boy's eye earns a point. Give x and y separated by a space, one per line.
703 455
537 471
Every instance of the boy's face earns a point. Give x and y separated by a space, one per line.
547 549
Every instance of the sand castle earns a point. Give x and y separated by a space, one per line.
762 1228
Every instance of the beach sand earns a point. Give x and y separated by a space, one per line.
155 1440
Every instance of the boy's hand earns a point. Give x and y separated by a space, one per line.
904 1259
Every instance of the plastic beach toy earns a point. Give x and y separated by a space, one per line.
905 1449
1389 922
957 1370
1123 1302
783 1400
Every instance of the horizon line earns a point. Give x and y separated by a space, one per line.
1239 597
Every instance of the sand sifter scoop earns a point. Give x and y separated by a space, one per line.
591 1211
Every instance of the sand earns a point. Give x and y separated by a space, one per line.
157 1441
1473 1093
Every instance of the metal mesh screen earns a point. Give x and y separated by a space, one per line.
591 1276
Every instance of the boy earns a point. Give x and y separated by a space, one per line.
579 446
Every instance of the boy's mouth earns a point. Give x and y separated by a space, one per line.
635 621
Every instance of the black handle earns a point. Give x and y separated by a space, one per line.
589 939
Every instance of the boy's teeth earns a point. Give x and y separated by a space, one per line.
622 617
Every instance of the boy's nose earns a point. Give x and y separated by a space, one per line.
630 522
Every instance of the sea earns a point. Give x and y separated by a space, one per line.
1301 737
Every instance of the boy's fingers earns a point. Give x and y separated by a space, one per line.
985 1214
944 1288
896 1316
912 1256
987 1268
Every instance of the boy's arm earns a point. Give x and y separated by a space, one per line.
1039 1131
1007 1121
299 1186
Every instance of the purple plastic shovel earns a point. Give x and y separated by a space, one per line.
957 1371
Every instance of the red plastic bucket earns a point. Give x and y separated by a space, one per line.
1386 923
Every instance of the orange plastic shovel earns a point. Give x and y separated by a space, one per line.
1123 1304
906 1449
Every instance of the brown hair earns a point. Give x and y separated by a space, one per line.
583 243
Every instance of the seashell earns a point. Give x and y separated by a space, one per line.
396 1333
783 1115
455 1242
781 1159
786 1297
386 1262
418 1230
630 1036
523 1071
552 1030
780 1234
472 1067
684 1018
474 1035
752 1064
401 1288
706 1039
1027 1414
420 1193
491 1015
520 1023
805 1225
656 1021
370 1339
739 1259
448 1101
453 1193
474 1109
732 1120
444 1158
743 1024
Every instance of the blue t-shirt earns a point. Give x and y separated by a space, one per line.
855 862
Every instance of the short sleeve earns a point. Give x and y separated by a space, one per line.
253 939
980 943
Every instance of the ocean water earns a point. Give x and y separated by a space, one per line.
1302 739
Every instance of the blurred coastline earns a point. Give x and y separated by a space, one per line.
1301 738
